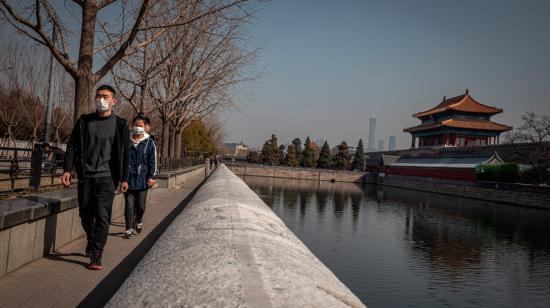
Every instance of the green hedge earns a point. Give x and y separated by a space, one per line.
507 172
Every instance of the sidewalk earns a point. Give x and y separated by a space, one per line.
61 279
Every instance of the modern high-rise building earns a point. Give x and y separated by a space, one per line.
391 144
372 134
380 145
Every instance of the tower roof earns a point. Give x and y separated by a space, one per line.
486 125
464 103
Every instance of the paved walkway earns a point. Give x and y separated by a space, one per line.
61 279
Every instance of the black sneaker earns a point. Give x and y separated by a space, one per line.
95 262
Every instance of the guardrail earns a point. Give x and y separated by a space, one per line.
229 249
24 169
29 169
171 164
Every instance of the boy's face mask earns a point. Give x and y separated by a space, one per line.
137 130
102 104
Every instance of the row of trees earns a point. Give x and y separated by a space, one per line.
175 60
535 129
25 86
310 156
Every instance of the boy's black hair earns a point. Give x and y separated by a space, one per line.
144 118
141 117
106 87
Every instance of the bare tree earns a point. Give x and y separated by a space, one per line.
10 118
201 65
34 83
535 129
39 19
217 130
62 106
18 107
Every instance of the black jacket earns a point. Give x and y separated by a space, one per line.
76 149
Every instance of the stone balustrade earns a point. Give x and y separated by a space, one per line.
229 249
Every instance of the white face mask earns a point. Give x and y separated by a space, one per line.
102 104
137 130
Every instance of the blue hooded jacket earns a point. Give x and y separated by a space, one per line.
143 164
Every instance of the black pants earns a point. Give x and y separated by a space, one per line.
134 207
95 203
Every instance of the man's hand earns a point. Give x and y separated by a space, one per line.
124 187
66 179
151 182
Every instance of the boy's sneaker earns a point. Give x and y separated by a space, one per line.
95 262
139 226
129 233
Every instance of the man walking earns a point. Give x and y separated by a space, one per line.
98 150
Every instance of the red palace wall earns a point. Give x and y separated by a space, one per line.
443 173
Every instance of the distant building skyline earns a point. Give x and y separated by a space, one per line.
372 134
391 143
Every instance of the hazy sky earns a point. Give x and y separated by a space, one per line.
330 65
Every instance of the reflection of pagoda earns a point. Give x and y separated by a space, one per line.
457 121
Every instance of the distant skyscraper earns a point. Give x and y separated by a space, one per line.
372 134
391 144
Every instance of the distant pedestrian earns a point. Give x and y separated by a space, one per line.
142 175
98 150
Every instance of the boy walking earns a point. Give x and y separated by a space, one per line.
142 175
98 150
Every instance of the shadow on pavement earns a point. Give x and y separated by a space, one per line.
59 257
107 287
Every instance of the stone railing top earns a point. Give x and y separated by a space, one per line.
229 249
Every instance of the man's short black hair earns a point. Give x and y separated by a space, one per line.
108 88
141 117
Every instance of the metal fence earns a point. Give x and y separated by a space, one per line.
29 169
171 164
23 169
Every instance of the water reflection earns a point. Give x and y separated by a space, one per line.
396 247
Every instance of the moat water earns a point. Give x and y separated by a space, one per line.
401 248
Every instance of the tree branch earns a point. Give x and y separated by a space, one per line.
217 10
122 49
104 3
39 30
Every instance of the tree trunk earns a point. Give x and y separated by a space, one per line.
83 95
172 143
178 143
85 80
165 138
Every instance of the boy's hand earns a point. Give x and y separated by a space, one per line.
151 182
66 179
124 187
